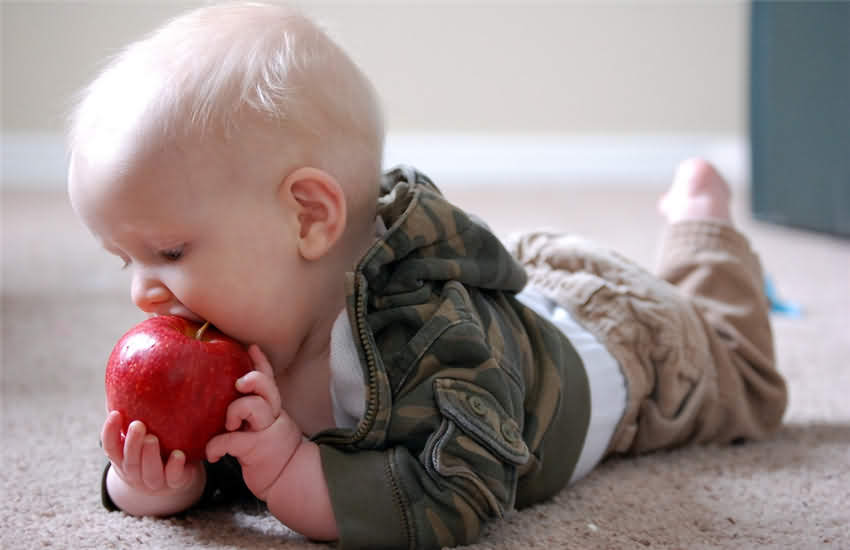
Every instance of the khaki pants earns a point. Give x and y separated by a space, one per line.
694 341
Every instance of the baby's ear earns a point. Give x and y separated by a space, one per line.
319 205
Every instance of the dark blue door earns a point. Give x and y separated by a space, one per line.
800 114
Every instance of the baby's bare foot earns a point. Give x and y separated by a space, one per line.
698 192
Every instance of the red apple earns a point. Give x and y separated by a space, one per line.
178 378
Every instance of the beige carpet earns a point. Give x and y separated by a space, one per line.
65 303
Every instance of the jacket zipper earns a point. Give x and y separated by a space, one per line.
371 398
362 332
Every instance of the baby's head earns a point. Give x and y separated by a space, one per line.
232 159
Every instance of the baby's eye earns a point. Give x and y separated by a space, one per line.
125 261
172 254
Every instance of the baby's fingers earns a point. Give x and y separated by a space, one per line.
236 444
261 384
261 362
152 472
131 465
177 473
253 410
110 437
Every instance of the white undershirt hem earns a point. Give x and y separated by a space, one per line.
606 380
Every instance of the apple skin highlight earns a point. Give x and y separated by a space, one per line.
180 386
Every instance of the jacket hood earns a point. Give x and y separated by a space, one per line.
436 241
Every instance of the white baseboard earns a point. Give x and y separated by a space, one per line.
33 160
642 159
39 160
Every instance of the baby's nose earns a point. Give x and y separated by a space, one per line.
150 295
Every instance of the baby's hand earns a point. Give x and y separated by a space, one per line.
261 435
137 459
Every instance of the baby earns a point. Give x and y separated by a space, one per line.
414 376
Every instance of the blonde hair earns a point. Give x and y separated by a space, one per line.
203 71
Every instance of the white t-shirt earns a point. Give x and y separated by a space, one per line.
606 380
348 389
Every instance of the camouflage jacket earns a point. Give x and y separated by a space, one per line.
475 404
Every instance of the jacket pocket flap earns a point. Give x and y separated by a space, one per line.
482 417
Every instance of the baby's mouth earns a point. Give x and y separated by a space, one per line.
183 312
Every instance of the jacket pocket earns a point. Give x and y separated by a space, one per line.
482 417
477 448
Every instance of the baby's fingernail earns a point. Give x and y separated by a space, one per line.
178 455
150 439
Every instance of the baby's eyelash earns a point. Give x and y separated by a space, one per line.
172 254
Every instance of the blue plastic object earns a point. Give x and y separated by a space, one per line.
777 304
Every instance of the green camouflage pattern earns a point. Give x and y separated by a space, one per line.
467 389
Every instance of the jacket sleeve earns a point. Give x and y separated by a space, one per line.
465 474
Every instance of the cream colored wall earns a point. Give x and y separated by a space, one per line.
527 67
